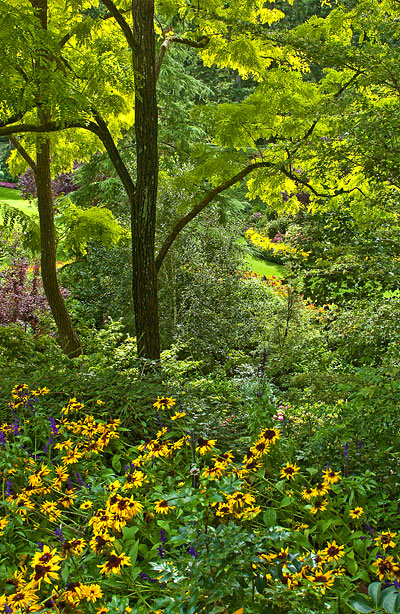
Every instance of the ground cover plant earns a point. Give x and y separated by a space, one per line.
94 522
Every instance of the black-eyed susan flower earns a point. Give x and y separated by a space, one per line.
40 392
67 500
72 406
240 499
322 579
386 568
36 478
319 506
270 435
356 513
114 563
44 571
164 403
289 471
178 414
248 513
300 526
307 493
73 546
223 509
90 592
86 505
50 509
23 598
260 447
292 581
102 520
71 593
320 489
331 477
134 480
72 457
114 486
3 523
157 449
205 445
163 507
45 556
213 471
61 476
101 542
385 539
124 507
333 552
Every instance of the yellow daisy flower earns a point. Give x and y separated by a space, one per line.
289 471
163 507
356 513
164 403
114 563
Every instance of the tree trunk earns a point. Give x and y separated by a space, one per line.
143 215
68 337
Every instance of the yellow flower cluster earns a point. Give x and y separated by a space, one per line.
265 242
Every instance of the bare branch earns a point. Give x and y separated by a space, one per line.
201 205
48 127
307 185
102 131
11 120
121 21
200 44
22 151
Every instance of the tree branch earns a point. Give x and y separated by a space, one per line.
201 205
102 131
121 21
47 127
22 151
11 120
200 44
307 185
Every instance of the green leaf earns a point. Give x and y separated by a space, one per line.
129 532
325 525
389 602
116 463
360 604
269 517
374 591
285 502
351 565
134 552
261 583
301 539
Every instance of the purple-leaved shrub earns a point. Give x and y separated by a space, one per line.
60 186
21 295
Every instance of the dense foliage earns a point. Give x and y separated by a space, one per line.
252 468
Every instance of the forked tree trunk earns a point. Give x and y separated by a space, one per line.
143 215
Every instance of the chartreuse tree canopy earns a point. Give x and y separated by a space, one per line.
99 64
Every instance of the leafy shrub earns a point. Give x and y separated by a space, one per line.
21 294
61 185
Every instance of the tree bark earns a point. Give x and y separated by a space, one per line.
68 338
143 218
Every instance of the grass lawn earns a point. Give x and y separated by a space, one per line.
14 198
262 267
